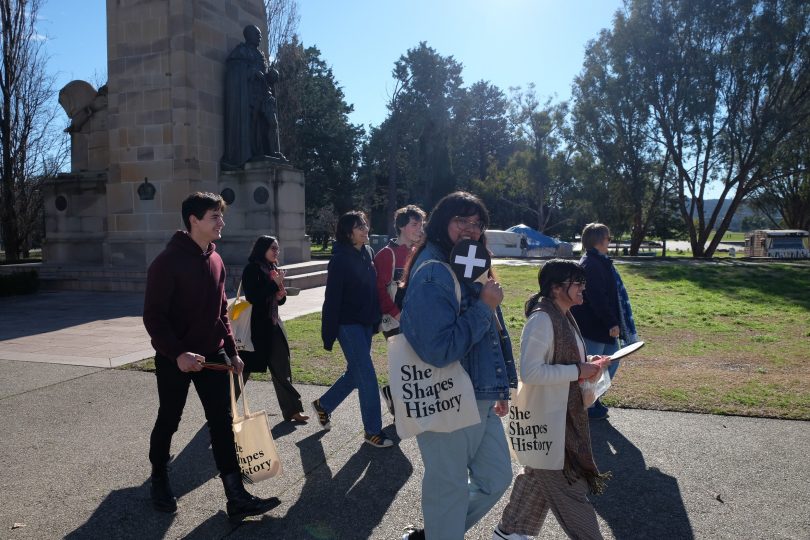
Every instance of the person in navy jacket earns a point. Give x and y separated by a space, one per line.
599 318
351 315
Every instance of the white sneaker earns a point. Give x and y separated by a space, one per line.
498 534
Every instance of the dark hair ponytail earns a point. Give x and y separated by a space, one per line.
531 303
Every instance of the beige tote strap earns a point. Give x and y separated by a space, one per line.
234 408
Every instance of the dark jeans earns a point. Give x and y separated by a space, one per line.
277 358
214 393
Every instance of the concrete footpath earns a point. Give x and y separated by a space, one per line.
75 439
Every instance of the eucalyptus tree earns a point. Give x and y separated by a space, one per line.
727 83
612 122
543 136
785 197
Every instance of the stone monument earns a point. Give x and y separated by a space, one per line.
155 133
251 119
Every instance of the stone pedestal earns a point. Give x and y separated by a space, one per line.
264 198
75 219
154 135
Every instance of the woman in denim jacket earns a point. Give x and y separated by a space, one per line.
468 470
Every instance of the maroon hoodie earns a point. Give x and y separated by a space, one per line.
185 307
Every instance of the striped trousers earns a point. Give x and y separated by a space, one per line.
538 490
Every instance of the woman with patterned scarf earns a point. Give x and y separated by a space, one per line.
263 283
606 316
552 361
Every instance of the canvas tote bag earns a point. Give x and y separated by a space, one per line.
426 397
536 428
255 447
239 311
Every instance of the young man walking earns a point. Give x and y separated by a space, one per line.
390 263
185 314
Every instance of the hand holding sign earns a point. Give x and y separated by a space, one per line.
491 293
470 261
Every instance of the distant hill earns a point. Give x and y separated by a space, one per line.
742 212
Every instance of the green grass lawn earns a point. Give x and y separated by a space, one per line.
724 337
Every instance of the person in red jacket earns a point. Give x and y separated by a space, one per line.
390 263
185 314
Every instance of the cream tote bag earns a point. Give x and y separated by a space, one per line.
255 447
428 398
536 427
239 315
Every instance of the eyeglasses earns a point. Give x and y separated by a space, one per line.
275 248
468 224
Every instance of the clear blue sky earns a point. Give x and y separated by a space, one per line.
507 42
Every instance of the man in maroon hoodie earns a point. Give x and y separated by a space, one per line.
185 313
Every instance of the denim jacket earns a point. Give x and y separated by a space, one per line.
440 335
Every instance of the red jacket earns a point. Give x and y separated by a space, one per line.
390 262
185 307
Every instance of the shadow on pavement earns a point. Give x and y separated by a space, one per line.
50 311
640 502
128 513
348 504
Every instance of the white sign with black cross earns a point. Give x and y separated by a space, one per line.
470 260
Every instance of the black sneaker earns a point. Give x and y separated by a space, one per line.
389 402
412 533
379 440
323 416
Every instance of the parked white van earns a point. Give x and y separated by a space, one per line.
503 243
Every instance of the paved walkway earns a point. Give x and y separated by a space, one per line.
75 441
97 329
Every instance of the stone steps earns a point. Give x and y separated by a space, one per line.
306 275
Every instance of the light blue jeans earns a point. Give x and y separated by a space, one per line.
606 349
355 340
466 473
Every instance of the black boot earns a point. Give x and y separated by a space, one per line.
241 503
163 500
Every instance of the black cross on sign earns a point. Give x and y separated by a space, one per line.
470 259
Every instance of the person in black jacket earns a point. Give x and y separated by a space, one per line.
599 318
263 284
351 315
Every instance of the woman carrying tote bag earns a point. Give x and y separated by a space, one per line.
548 426
467 470
263 285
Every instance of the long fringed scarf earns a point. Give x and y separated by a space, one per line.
579 461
